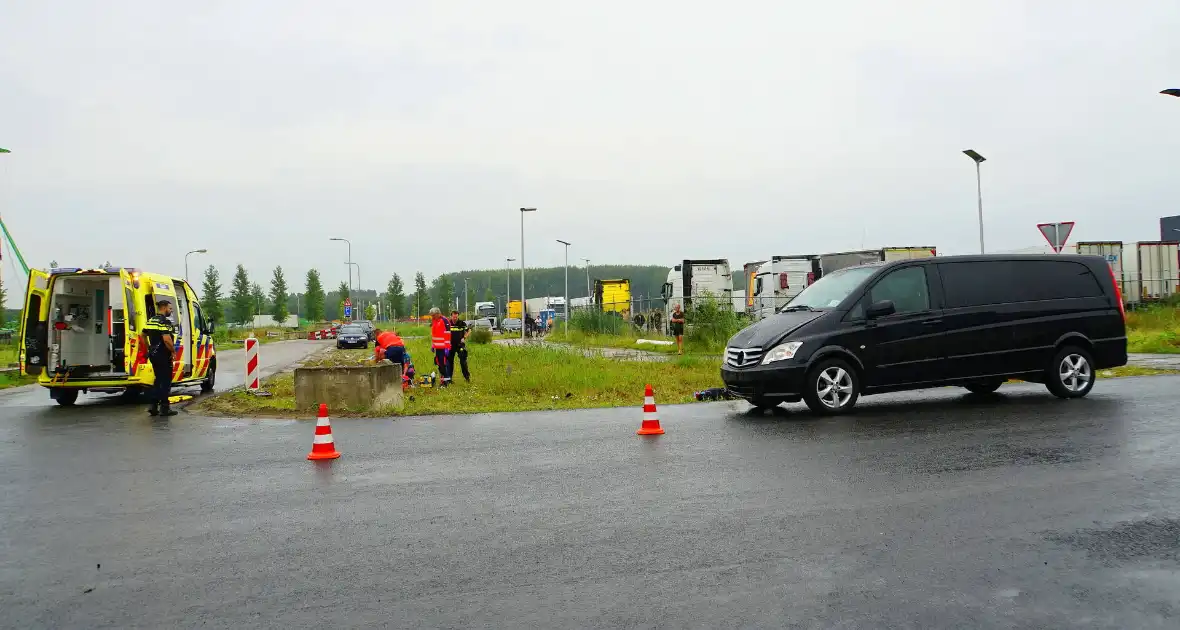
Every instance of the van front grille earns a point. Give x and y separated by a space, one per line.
742 357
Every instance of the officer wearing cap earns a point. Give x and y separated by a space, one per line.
160 339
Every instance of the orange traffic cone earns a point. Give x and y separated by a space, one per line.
322 446
651 424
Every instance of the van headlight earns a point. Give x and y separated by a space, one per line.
782 352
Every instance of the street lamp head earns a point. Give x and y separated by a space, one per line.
563 242
201 251
338 239
528 209
1171 92
974 155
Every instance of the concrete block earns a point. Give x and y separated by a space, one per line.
349 388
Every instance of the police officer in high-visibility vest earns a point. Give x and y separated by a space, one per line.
440 342
160 339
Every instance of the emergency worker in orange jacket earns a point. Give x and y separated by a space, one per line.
440 342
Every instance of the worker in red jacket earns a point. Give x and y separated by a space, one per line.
440 342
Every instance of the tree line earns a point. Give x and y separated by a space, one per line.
248 298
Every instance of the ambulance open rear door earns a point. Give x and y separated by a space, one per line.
33 351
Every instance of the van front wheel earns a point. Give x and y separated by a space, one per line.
1071 374
210 378
832 388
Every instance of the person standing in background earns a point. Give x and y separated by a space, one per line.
440 342
676 326
459 333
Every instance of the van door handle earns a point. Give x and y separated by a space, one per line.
932 322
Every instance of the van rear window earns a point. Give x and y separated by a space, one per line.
1002 281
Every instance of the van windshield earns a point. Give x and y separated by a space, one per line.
830 290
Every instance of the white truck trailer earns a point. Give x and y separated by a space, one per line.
780 279
694 278
1148 271
840 260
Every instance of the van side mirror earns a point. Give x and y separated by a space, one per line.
210 324
880 308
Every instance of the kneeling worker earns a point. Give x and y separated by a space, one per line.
160 340
459 333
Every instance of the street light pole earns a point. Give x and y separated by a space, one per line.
349 263
508 286
567 287
358 284
195 251
979 159
587 261
466 307
522 306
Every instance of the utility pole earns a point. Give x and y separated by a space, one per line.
567 287
508 284
979 159
587 261
523 314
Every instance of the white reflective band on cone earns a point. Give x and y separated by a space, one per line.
322 422
322 439
649 415
649 400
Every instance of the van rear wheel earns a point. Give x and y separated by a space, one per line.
1071 374
831 388
66 397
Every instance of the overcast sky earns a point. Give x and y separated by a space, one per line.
645 132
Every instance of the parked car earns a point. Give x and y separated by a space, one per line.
370 329
973 321
510 324
352 336
482 322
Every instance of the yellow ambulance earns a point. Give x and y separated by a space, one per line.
81 331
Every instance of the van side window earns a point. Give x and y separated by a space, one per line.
907 289
1054 280
982 283
129 316
977 283
198 318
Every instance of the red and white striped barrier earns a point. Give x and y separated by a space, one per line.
251 364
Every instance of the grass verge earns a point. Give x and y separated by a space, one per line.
1133 370
1154 330
13 378
504 378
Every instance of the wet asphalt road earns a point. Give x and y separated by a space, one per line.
926 510
231 372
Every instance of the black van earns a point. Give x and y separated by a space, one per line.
973 321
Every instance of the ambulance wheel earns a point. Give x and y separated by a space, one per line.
210 378
66 397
